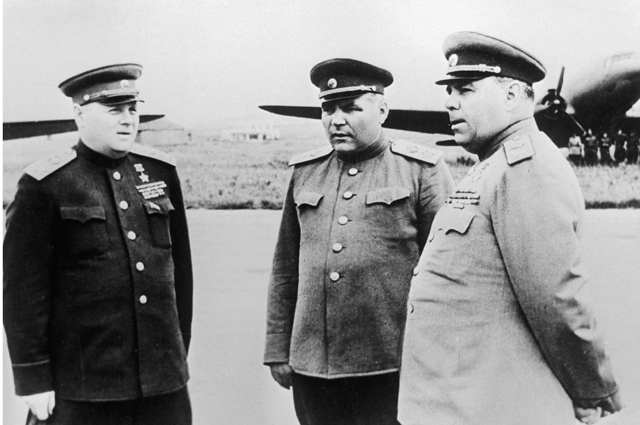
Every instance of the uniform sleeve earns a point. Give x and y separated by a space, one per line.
181 252
27 252
535 215
283 284
436 184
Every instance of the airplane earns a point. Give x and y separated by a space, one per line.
25 129
599 99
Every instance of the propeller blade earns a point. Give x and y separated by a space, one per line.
560 81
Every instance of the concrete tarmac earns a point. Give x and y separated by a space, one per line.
232 257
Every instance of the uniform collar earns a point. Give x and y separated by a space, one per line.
377 147
97 158
527 125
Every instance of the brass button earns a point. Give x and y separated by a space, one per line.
132 236
416 270
337 247
117 175
139 266
124 205
334 276
348 195
143 299
353 171
343 220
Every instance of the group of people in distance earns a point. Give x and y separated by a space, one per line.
593 150
395 296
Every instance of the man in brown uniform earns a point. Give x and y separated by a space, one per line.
496 334
356 217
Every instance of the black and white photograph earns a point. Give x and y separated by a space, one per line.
321 213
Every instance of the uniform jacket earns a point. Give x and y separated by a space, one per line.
351 233
496 333
97 277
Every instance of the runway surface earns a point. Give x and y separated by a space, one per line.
232 258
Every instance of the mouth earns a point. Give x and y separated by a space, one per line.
454 123
339 135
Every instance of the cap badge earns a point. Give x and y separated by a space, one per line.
332 83
124 84
453 60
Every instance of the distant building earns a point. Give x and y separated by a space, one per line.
252 131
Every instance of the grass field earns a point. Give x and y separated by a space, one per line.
220 174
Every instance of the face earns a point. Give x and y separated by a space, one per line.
477 111
354 124
109 130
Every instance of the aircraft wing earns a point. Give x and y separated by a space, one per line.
24 129
399 119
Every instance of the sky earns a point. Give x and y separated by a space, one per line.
207 61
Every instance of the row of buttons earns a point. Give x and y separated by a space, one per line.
342 220
131 235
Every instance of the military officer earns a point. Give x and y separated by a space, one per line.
355 219
497 334
97 270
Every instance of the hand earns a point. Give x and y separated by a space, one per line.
588 415
41 404
282 372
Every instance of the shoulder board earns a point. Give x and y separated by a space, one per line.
419 152
310 156
45 166
518 149
143 150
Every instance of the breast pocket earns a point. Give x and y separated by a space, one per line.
451 221
159 221
307 202
84 231
389 205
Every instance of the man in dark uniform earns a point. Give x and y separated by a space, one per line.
605 149
590 149
620 152
356 217
496 333
97 270
632 147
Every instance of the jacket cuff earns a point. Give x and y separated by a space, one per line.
277 348
611 403
32 378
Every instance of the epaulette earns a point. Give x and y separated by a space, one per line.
419 152
143 150
518 149
45 166
310 156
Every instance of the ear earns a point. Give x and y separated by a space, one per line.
384 112
514 91
78 115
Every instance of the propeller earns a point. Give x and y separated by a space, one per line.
554 107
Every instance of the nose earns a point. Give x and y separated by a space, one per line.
126 118
451 103
337 118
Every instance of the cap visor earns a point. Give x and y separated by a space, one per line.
342 96
118 100
452 78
